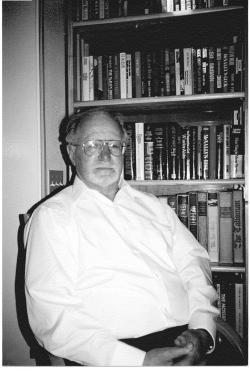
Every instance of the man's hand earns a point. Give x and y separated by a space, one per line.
165 356
198 340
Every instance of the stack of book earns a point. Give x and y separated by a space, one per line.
170 151
166 71
215 218
231 303
99 9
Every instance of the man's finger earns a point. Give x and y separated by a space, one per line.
176 352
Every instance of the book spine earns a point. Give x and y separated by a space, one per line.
100 77
238 64
238 241
129 156
155 74
172 72
188 71
205 72
85 78
116 77
101 9
95 77
182 208
193 155
177 72
129 75
202 219
193 214
139 135
226 224
106 9
173 150
123 87
159 152
167 72
199 153
226 151
91 77
85 10
239 309
105 76
212 152
78 71
219 152
211 58
199 70
231 68
172 201
149 74
183 152
188 153
178 154
167 141
170 5
213 226
225 58
218 70
148 152
138 74
162 89
236 151
205 151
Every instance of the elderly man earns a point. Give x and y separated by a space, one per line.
113 278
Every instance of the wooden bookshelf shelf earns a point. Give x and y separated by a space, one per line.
156 103
151 18
227 268
167 187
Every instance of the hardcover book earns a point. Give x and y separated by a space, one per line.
226 227
213 226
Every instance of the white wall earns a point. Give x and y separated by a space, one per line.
22 170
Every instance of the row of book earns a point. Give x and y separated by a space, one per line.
215 218
161 72
231 302
100 9
166 151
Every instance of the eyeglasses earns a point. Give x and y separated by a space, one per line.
92 147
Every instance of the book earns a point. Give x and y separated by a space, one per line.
226 227
237 151
138 74
182 83
100 89
188 71
116 77
123 83
91 77
202 218
128 75
167 145
218 70
231 67
225 58
77 68
239 308
194 152
212 152
205 71
85 78
148 152
213 226
177 72
193 213
139 146
183 208
172 72
188 151
238 225
178 153
183 152
130 156
156 78
226 151
199 153
211 69
239 57
162 88
167 71
149 65
159 159
205 136
219 152
172 201
173 150
199 70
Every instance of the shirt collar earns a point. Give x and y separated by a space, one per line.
81 190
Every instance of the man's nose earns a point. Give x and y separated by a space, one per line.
105 152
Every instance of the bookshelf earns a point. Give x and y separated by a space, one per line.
177 29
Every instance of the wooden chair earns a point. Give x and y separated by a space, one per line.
229 349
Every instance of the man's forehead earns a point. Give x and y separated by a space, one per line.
98 122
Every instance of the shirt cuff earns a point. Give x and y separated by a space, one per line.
206 322
126 355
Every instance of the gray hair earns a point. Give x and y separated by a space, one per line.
77 120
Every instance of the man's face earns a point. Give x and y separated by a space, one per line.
99 171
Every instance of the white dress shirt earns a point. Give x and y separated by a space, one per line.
99 270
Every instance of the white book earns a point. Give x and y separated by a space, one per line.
85 78
183 4
226 151
139 148
128 76
170 5
164 6
91 77
213 226
123 84
177 71
188 71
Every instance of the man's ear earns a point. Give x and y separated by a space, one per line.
71 152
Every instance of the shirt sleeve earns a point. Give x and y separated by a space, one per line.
56 313
192 262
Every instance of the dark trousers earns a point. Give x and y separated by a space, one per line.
158 339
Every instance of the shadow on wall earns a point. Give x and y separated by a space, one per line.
36 351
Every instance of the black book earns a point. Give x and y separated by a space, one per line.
129 156
159 158
149 151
